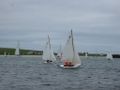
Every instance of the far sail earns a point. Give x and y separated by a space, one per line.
17 51
48 54
109 56
86 54
5 54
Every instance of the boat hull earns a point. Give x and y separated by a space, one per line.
48 61
70 67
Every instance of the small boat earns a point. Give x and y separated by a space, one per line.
5 54
70 57
17 51
48 55
109 56
86 55
74 66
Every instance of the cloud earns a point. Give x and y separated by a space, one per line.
94 23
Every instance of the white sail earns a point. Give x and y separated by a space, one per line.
109 56
48 52
86 54
52 56
59 54
69 52
17 49
5 54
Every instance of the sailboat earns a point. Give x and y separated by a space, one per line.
17 51
109 56
70 57
86 55
5 54
48 54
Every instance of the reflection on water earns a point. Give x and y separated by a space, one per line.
30 73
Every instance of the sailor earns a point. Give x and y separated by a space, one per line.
68 63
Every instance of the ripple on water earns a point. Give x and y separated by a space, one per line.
29 73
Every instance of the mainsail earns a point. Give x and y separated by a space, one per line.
86 54
17 49
5 54
69 52
109 56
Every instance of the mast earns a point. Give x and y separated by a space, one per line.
73 45
49 46
49 42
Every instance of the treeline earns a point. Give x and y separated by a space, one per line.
11 51
92 54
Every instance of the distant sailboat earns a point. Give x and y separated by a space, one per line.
17 51
48 54
70 57
109 56
5 54
86 55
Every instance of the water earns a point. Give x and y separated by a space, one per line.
29 73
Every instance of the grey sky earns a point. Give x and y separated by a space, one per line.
95 23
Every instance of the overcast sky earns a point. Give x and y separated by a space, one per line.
95 23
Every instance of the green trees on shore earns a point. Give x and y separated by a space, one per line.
11 51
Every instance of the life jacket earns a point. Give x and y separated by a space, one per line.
66 63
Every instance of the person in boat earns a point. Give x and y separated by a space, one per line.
68 63
48 61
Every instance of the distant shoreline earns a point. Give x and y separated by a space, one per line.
21 56
38 53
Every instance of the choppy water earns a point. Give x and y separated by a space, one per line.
29 73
